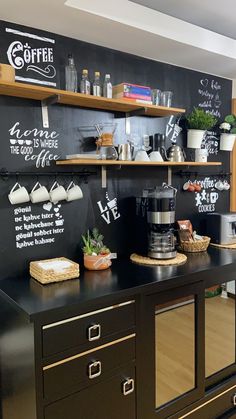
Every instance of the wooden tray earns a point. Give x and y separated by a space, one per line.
54 270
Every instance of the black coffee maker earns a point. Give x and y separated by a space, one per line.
155 211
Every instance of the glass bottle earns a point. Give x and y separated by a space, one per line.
97 90
107 86
85 85
71 75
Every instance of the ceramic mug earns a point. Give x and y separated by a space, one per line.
73 192
57 193
226 185
39 193
155 156
141 155
201 155
219 185
18 194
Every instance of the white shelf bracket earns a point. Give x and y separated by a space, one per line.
104 177
45 119
169 176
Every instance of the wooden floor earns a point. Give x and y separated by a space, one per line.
175 346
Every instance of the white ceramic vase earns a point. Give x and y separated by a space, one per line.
227 142
195 137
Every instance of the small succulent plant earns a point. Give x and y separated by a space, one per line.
93 243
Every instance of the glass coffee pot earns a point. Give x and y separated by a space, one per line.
105 146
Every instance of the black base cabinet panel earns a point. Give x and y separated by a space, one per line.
105 400
219 404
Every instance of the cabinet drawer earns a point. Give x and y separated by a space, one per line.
214 407
88 330
84 369
103 400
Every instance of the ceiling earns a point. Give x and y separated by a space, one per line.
127 26
214 15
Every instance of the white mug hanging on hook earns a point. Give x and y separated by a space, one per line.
57 193
39 193
73 192
18 195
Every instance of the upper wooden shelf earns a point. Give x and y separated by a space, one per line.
30 91
90 162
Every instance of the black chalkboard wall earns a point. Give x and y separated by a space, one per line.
35 231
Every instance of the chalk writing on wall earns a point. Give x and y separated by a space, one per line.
206 200
32 56
34 145
173 129
39 228
109 209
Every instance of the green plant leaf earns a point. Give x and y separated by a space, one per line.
199 119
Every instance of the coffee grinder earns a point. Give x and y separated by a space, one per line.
158 213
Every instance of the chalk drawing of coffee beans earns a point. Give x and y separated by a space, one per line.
13 142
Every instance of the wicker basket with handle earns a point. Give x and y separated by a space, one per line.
54 270
195 246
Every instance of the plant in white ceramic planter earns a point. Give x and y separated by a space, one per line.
228 133
198 122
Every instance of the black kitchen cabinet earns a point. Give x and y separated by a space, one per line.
150 345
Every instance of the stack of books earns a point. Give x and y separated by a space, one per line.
129 91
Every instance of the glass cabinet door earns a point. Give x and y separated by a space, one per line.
175 349
220 327
172 373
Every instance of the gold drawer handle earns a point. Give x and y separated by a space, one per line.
128 386
94 369
94 332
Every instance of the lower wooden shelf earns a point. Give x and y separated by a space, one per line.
90 162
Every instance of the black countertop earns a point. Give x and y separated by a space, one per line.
123 279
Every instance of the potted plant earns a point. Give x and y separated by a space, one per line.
96 254
198 122
228 133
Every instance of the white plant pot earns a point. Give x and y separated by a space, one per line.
227 142
195 137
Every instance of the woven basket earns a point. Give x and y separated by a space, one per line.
195 246
46 276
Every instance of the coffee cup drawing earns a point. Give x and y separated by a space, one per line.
73 192
12 141
39 193
57 193
18 194
20 142
213 197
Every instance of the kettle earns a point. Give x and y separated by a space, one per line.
176 153
125 151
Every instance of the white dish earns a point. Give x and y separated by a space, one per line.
82 156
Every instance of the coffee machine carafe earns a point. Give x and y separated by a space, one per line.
161 218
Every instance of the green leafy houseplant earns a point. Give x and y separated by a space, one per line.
228 133
201 120
229 124
93 243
